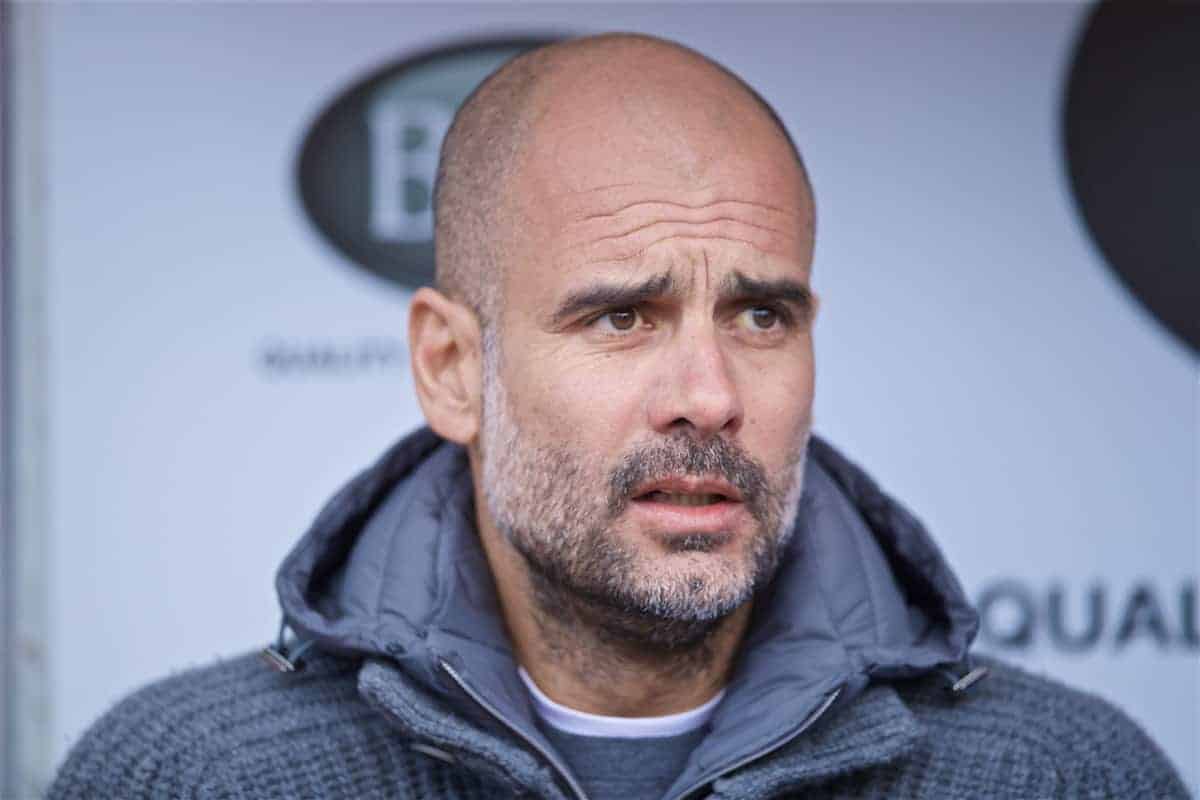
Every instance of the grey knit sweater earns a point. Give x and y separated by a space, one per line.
239 730
409 687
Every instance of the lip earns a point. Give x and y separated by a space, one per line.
726 516
685 484
672 520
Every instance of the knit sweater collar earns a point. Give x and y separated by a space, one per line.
875 729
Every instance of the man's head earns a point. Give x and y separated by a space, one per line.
622 335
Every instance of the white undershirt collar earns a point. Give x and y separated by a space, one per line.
582 723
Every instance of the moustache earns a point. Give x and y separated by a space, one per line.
681 455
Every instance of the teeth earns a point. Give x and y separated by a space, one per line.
687 499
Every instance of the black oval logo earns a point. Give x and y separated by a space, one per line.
366 167
1132 139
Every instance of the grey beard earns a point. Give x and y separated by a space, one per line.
617 619
583 577
548 503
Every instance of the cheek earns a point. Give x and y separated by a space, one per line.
777 404
589 403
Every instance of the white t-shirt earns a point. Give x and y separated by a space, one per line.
582 723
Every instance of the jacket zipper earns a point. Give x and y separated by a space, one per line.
563 772
808 721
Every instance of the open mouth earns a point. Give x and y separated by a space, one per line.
674 507
682 499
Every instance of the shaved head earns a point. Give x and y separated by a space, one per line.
476 212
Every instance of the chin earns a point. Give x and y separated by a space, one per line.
694 586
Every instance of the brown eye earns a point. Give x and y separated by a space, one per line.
764 317
763 322
623 320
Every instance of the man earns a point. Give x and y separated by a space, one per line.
618 565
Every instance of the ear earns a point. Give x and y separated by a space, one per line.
444 344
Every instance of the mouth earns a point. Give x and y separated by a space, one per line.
687 491
682 506
681 499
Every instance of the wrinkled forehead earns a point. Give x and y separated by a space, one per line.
620 175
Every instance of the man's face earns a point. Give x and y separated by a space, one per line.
649 383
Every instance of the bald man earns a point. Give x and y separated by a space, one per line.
616 564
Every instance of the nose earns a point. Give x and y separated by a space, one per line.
696 391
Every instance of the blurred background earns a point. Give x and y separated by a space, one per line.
213 216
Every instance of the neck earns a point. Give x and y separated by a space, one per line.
602 661
594 658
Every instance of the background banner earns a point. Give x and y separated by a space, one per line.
236 206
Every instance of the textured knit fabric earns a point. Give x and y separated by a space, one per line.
236 730
625 769
408 687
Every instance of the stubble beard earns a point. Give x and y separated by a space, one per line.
558 507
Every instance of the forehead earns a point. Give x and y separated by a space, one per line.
637 160
742 214
643 181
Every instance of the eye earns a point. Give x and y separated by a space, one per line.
621 320
760 318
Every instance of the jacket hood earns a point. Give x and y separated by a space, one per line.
392 570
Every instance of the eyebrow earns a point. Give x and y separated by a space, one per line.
739 288
603 294
736 288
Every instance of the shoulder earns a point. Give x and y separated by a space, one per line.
235 723
1086 745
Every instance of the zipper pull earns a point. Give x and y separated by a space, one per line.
960 684
277 657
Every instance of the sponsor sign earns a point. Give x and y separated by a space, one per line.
367 164
1131 133
1070 616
